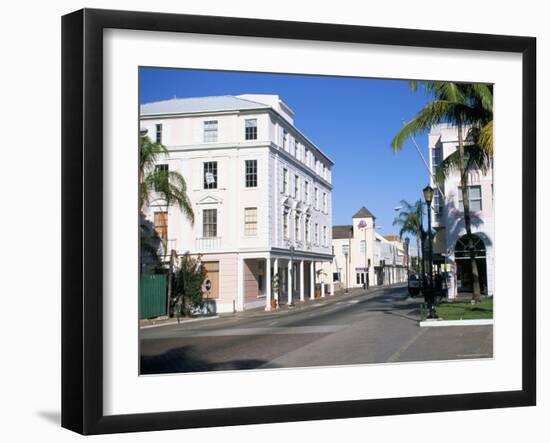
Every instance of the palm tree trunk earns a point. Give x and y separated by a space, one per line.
476 292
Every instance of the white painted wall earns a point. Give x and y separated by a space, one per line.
452 218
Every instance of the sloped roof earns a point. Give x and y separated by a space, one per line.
392 238
363 213
199 104
342 231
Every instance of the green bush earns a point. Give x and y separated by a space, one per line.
188 282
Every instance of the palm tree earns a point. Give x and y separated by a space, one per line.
409 221
156 184
465 106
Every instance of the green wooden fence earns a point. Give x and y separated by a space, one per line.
153 295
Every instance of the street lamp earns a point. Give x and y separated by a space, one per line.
430 299
290 294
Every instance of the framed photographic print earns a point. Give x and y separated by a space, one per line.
269 221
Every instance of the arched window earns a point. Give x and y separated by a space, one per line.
462 250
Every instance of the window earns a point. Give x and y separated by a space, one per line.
286 232
285 140
251 173
306 192
362 247
298 151
211 131
345 249
296 187
437 158
316 198
306 157
250 221
210 175
316 233
360 278
158 133
297 228
474 196
335 276
251 129
285 181
307 236
161 176
210 223
161 226
325 237
438 202
325 203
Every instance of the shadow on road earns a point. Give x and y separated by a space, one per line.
182 360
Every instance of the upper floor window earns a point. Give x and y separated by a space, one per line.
345 249
297 232
286 231
251 129
210 223
325 202
362 247
306 156
210 175
325 236
306 192
438 202
161 176
285 181
317 198
161 226
211 131
285 140
474 194
251 173
307 233
158 133
296 187
316 233
437 158
250 221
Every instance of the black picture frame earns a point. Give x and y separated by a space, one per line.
82 187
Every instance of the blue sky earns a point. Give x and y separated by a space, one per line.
353 121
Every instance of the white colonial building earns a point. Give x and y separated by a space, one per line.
362 256
260 191
450 250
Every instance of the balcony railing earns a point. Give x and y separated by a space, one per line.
208 243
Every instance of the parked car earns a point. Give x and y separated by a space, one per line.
414 284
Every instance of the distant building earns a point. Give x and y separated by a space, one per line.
261 192
362 256
450 251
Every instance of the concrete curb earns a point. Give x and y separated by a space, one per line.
181 322
438 323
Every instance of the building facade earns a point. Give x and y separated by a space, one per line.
450 241
260 190
363 257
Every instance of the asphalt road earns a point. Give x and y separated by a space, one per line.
376 326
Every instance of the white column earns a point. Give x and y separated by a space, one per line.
240 284
301 280
268 284
276 272
312 280
323 286
289 282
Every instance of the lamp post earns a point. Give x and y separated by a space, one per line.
428 197
291 282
